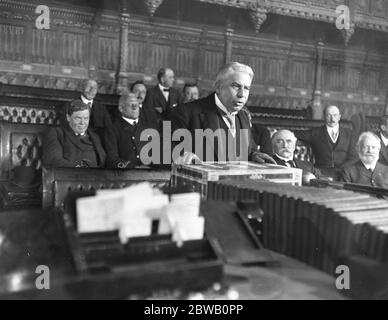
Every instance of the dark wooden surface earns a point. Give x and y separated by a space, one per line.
30 238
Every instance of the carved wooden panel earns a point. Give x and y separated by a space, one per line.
75 49
43 46
213 62
333 78
108 53
11 42
258 66
276 72
353 78
26 149
160 56
372 84
379 8
301 74
136 54
185 62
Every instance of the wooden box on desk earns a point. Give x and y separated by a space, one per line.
197 176
143 265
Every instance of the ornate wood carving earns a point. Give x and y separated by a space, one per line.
153 5
258 16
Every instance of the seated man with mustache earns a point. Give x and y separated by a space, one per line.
367 171
284 144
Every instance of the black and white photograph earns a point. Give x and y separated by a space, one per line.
213 152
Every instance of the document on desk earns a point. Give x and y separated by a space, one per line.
99 214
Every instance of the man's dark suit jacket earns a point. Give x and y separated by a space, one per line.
383 154
62 148
262 138
203 114
327 154
122 142
357 173
306 166
155 98
99 118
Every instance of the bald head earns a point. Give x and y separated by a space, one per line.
284 143
332 116
90 89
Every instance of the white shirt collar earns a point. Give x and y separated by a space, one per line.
130 121
384 139
333 129
285 159
222 107
370 166
86 101
161 88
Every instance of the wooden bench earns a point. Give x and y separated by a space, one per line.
57 183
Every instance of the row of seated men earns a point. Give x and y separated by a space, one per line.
90 137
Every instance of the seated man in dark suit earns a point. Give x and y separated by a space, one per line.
383 135
284 143
73 144
333 146
122 139
218 128
162 98
99 115
367 171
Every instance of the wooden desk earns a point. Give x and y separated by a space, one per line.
32 238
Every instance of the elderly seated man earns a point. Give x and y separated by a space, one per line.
122 139
73 144
284 144
367 171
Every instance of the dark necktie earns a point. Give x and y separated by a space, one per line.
166 90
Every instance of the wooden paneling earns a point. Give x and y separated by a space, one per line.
43 46
185 62
160 56
11 42
108 53
75 49
136 56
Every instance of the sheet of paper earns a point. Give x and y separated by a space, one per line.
99 214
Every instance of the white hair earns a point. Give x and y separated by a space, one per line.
233 67
365 135
275 135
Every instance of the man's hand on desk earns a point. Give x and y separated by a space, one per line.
188 158
123 164
261 157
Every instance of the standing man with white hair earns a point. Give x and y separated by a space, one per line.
333 145
220 114
367 171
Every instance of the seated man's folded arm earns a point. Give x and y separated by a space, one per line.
53 151
111 142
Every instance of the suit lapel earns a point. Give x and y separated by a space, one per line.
363 171
72 137
326 138
97 145
209 120
384 152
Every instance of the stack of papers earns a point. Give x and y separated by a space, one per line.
131 211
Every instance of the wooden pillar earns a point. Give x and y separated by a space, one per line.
93 49
228 36
122 81
317 93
